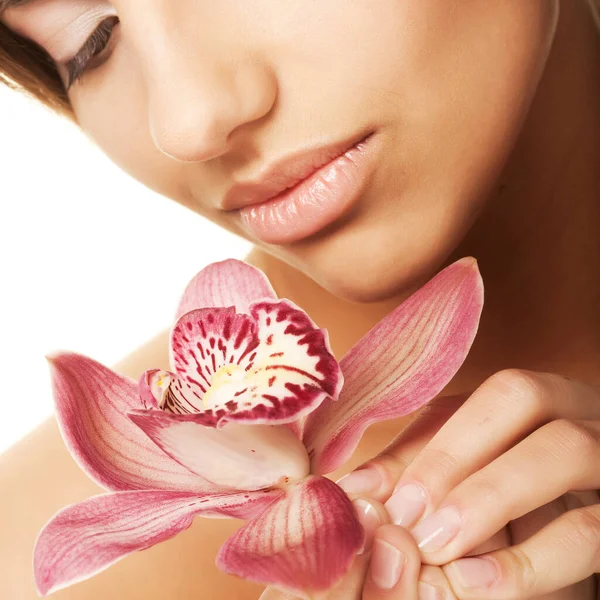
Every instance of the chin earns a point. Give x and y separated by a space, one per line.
365 266
391 249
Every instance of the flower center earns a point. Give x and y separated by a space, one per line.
224 386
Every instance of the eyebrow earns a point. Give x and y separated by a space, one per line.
6 4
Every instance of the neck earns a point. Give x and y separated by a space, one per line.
537 242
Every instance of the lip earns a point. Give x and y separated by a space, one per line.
316 201
286 173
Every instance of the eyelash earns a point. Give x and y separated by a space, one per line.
92 49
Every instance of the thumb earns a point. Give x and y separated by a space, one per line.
273 594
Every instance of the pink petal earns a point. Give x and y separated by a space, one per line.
304 542
146 389
243 457
291 344
401 364
230 282
205 340
170 392
274 366
84 539
91 405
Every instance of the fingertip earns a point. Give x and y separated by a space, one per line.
394 565
371 479
407 504
434 585
473 575
401 539
371 515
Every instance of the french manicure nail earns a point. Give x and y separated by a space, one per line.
387 564
438 529
370 520
475 572
363 481
407 504
427 591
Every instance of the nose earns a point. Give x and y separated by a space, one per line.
196 103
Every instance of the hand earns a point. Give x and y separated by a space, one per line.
393 571
396 573
506 457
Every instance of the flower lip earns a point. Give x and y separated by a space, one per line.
287 173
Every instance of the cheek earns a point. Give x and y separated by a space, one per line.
472 72
460 77
449 84
111 108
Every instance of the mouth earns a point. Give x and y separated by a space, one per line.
335 180
287 173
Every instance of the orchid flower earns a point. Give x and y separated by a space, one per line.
253 413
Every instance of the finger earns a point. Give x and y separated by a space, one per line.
434 585
563 553
371 515
499 413
528 525
503 410
523 528
273 594
501 539
558 457
351 585
394 566
377 477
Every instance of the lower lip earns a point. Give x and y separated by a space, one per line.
315 202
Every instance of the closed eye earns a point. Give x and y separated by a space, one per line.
94 52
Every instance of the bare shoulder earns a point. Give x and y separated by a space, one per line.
38 477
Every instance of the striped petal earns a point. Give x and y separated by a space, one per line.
170 392
304 542
86 538
274 366
91 405
242 457
292 344
227 283
401 364
210 344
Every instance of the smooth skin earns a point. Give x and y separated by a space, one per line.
489 115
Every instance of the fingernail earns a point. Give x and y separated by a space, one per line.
387 564
429 592
407 504
363 481
370 520
475 572
437 530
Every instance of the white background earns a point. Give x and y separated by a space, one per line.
81 245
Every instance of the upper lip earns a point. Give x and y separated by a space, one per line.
286 173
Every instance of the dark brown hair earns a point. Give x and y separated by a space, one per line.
25 66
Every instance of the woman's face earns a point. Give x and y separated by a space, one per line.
196 95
